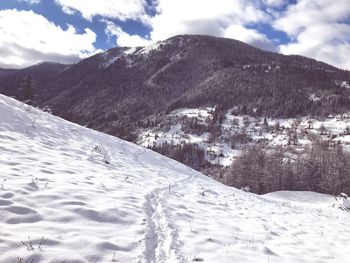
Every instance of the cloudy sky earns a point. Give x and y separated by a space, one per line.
65 31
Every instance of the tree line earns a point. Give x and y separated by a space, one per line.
324 167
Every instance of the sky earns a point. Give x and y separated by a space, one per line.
65 31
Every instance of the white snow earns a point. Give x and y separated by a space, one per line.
157 46
303 197
61 202
345 84
150 48
314 97
109 59
130 51
342 84
201 113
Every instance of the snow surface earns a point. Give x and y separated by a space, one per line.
342 84
202 114
303 197
61 202
151 48
109 59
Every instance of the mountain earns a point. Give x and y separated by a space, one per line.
71 194
123 89
11 82
4 72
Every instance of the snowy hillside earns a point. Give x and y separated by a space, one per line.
236 132
71 194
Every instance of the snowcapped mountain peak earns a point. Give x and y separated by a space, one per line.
111 57
71 194
147 49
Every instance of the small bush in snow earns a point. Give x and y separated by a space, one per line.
102 151
47 109
246 189
28 245
2 184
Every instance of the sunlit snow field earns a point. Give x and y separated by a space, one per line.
63 201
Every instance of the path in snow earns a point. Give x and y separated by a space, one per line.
161 241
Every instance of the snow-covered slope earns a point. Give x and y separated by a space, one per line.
303 197
70 194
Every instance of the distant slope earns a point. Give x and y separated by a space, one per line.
11 82
61 202
119 90
211 140
5 72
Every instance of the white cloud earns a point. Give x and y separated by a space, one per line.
315 26
32 2
317 30
222 18
250 36
68 10
275 3
202 17
27 38
120 9
326 42
307 13
123 38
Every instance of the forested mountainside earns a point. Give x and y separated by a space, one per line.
12 81
4 71
119 90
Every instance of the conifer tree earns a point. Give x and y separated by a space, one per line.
28 90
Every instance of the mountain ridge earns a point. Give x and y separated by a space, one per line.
6 71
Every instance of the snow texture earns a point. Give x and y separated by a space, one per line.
109 59
71 194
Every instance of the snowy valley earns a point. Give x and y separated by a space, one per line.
216 138
71 194
236 132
